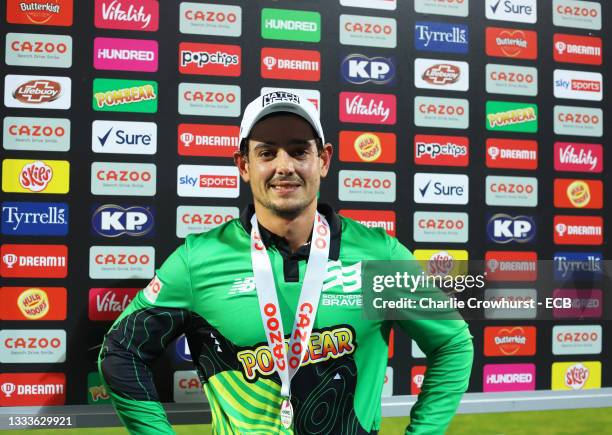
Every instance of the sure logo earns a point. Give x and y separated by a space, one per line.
432 188
36 134
504 228
123 137
441 37
210 59
359 69
110 220
520 11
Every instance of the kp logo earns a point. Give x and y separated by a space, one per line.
360 69
504 228
111 220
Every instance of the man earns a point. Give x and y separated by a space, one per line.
237 291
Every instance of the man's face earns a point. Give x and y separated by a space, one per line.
283 165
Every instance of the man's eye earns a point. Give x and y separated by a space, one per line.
300 153
266 154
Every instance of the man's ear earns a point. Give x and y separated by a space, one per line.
325 159
242 163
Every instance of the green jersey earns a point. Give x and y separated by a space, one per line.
206 291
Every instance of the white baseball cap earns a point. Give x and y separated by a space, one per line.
279 101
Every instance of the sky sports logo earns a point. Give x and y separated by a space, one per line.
35 218
125 54
503 228
124 137
36 134
441 37
205 181
43 50
578 85
111 220
520 11
441 150
511 43
368 31
210 59
360 69
441 74
432 188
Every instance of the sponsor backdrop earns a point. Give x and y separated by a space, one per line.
468 129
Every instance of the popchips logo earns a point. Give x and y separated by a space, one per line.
368 31
36 134
116 95
577 14
210 59
142 15
441 150
512 43
32 49
208 181
210 19
374 186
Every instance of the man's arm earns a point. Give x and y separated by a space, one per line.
448 345
158 314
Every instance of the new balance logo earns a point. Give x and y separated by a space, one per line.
242 285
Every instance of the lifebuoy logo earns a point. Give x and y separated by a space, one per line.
520 11
578 121
34 261
118 95
579 85
32 389
141 15
508 377
108 303
586 303
441 74
511 191
368 186
124 137
509 340
368 147
510 303
441 150
206 99
35 176
359 69
509 116
131 179
210 59
290 25
196 219
584 375
512 80
125 54
432 188
366 108
451 227
207 181
368 31
188 387
576 339
504 228
441 112
574 193
578 230
207 140
121 262
441 37
37 92
290 64
387 5
36 134
417 376
32 49
35 218
577 14
585 50
457 8
384 219
19 346
39 12
33 303
511 43
511 265
578 157
512 153
210 19
577 266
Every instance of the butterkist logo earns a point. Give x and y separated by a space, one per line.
290 64
578 230
369 147
511 265
367 108
441 150
578 157
39 12
510 340
142 15
512 153
210 59
577 49
34 261
384 219
512 43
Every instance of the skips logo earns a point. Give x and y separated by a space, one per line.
210 19
142 15
35 218
33 303
290 25
504 228
431 188
37 92
441 74
576 266
39 12
368 31
368 186
36 134
34 261
118 95
584 375
579 85
512 80
441 37
508 377
199 219
108 303
441 150
205 99
586 303
576 339
442 262
457 8
511 265
512 154
123 137
210 59
508 116
577 14
207 140
511 191
35 176
32 389
18 346
110 220
585 50
520 11
512 43
121 262
206 181
32 49
440 227
116 178
384 219
366 108
290 64
441 112
369 147
578 121
578 157
359 69
578 230
572 193
510 340
125 54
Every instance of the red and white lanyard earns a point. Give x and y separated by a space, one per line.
288 365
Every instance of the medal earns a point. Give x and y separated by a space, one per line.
286 413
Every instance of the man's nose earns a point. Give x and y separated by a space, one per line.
284 162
